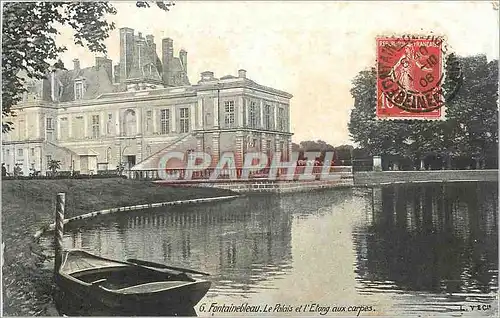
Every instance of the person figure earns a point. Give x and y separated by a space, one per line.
408 67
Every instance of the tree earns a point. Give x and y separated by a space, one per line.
318 145
17 170
120 168
53 166
29 49
470 128
343 155
474 111
375 136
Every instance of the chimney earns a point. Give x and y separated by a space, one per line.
107 64
53 85
76 64
150 40
207 76
183 56
242 74
117 73
167 58
126 52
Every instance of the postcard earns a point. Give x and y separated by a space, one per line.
250 158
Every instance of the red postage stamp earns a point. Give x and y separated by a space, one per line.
410 78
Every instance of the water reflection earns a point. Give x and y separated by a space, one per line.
241 243
421 248
69 305
439 238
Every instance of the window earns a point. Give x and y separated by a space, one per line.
8 152
32 152
110 116
252 114
281 119
49 159
255 143
64 128
78 127
20 152
190 154
130 123
270 145
165 121
184 120
22 129
149 121
229 113
32 166
78 90
49 125
95 126
267 117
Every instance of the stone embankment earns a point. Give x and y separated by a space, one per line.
264 185
373 178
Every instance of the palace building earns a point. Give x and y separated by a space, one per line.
92 119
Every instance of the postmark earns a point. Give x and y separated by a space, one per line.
416 77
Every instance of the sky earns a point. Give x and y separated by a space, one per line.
310 49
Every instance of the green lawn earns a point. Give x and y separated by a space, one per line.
27 205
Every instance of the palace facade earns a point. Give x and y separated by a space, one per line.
92 119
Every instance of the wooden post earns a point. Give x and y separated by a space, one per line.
59 230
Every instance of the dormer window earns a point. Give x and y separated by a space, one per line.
148 70
79 89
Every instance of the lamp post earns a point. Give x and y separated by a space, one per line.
120 162
41 160
120 158
122 152
219 86
203 117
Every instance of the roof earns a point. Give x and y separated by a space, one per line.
96 81
177 71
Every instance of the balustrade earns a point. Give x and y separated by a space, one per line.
235 174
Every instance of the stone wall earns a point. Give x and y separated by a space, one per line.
272 186
384 177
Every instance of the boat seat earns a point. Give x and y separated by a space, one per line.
150 287
102 280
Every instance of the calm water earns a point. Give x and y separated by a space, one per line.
405 249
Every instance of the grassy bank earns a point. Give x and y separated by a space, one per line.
27 205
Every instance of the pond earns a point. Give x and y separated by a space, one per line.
394 250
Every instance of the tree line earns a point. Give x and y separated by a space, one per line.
466 139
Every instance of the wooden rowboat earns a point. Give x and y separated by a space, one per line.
127 287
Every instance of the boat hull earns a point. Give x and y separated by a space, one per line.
92 285
96 300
